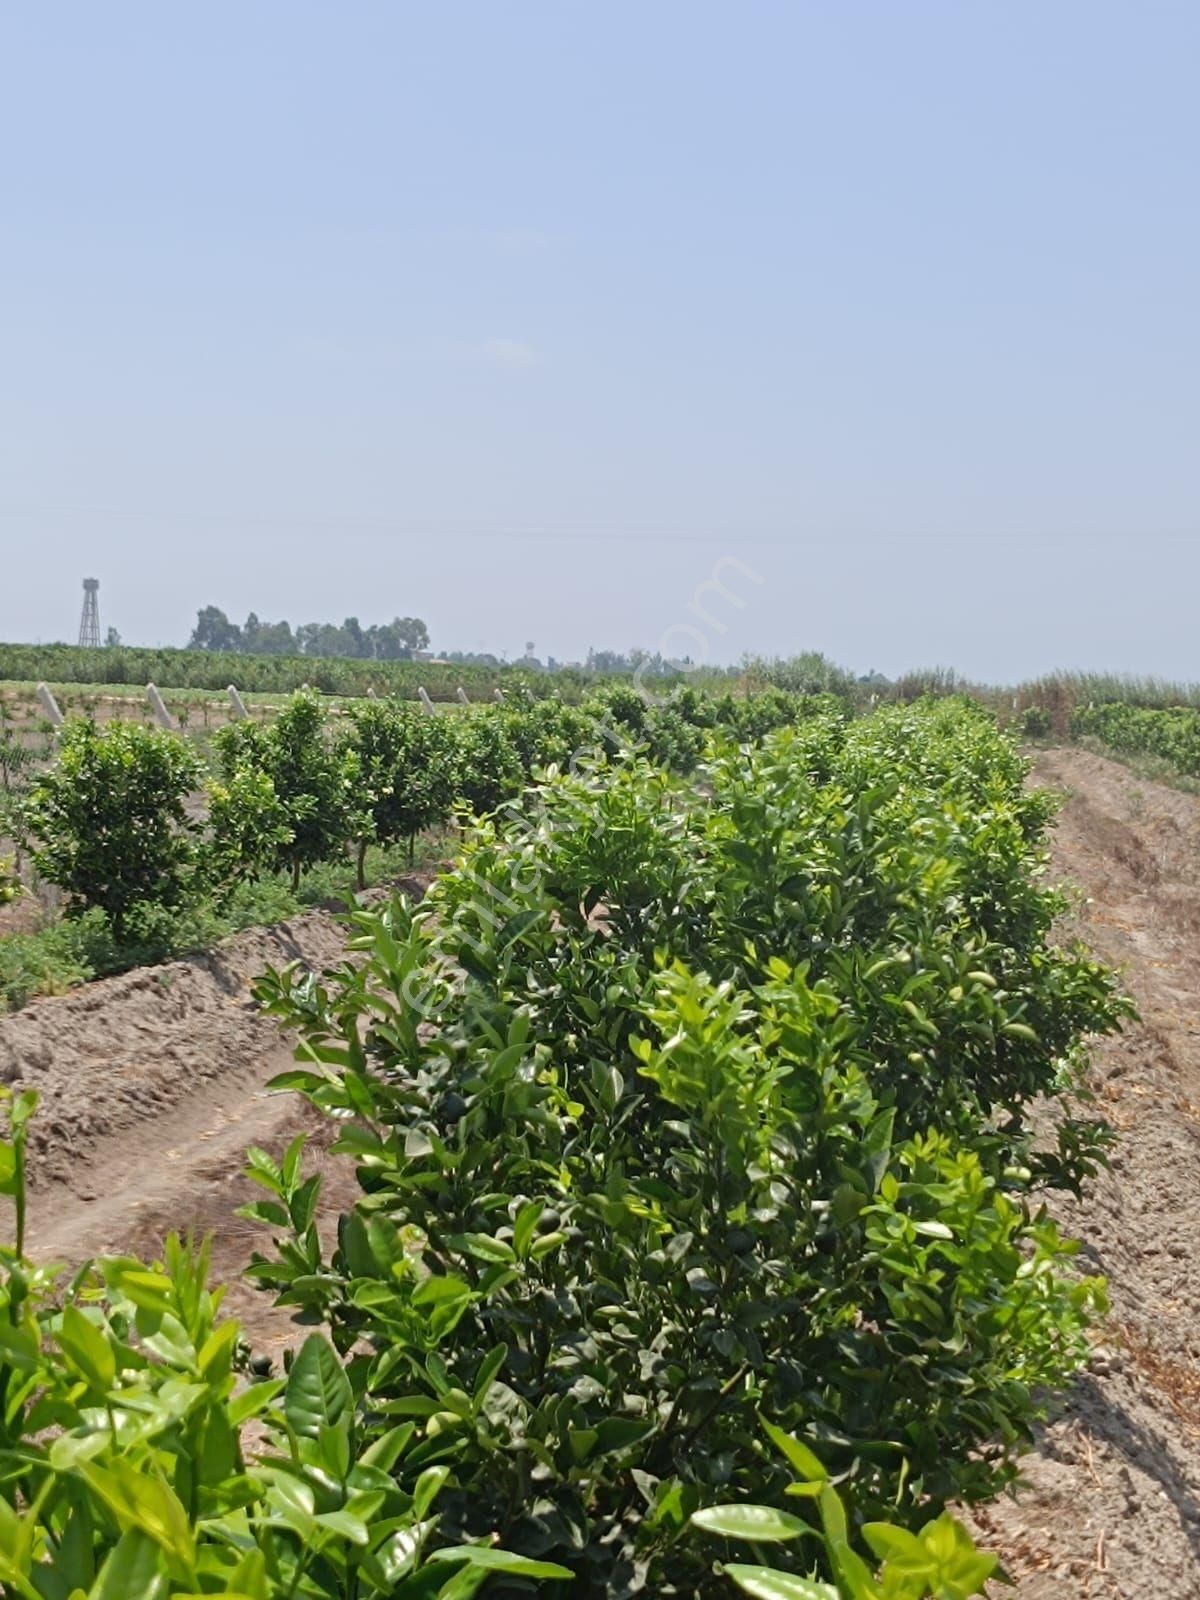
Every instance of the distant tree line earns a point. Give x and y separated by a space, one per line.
398 640
597 663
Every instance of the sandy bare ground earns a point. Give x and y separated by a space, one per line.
153 1085
1112 1506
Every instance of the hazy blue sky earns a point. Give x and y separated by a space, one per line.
522 317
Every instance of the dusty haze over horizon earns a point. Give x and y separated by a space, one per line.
523 319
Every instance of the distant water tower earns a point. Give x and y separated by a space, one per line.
89 622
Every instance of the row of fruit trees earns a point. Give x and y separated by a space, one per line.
700 1241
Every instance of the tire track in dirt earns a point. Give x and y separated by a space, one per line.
1111 1503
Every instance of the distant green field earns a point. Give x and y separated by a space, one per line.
278 675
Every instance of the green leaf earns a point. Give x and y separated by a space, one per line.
878 1145
525 1224
833 1515
249 1577
753 1524
426 1489
292 1497
464 1585
344 1526
384 1452
619 1433
483 1246
252 1402
436 1291
225 1594
417 1144
808 1465
150 1291
86 1348
335 1448
139 1500
298 1081
933 1230
1019 1030
318 1390
69 1449
396 1556
269 1212
516 926
23 1107
489 1368
133 1571
264 1169
21 1347
215 1357
483 1555
75 1557
547 1243
899 1547
764 1583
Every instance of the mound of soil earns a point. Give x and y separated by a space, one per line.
111 1055
153 1084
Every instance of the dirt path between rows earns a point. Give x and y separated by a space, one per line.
153 1086
1112 1503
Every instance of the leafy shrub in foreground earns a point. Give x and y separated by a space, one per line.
127 1472
662 1161
938 1561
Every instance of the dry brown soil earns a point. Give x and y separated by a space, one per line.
153 1085
1111 1506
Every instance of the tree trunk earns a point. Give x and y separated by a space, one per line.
362 864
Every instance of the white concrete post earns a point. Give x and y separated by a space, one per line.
462 696
239 705
426 702
161 715
498 696
49 705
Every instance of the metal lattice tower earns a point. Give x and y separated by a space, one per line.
89 622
